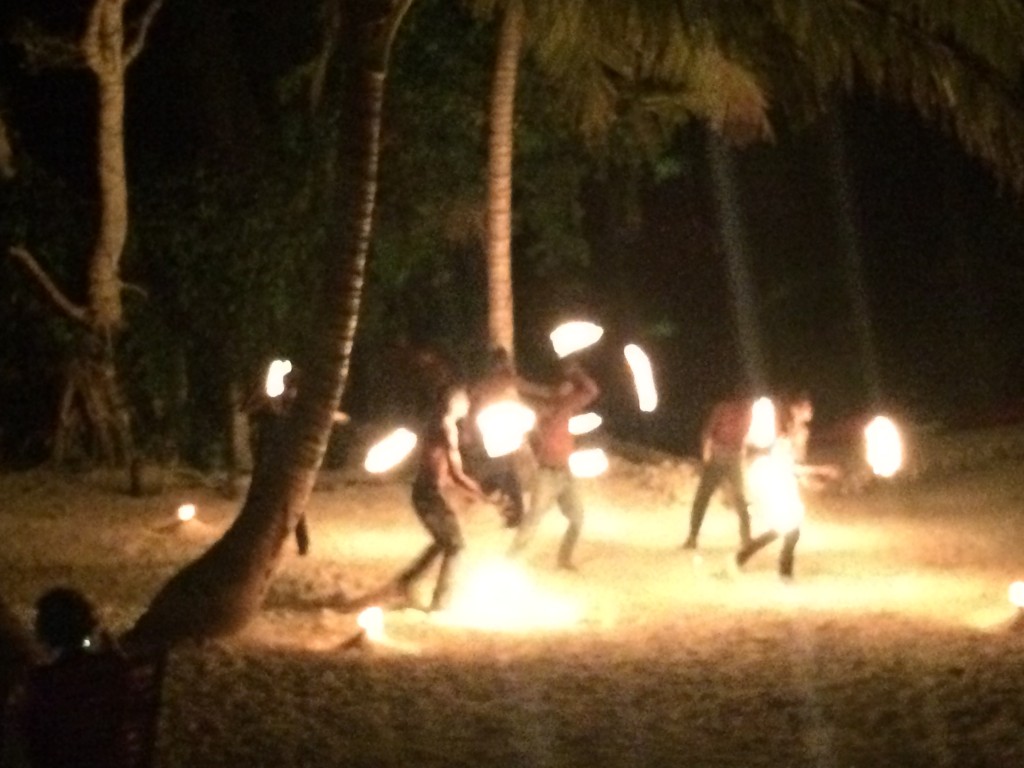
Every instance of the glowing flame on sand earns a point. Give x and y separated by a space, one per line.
588 462
276 372
762 431
643 377
390 452
884 446
583 423
1017 594
575 335
371 621
186 512
498 595
504 425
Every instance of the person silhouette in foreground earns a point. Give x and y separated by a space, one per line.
723 441
553 482
440 471
72 707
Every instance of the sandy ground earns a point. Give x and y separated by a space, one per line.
893 647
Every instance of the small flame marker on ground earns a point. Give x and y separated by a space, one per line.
1016 595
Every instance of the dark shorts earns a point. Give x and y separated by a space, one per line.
437 517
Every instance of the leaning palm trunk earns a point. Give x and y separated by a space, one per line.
501 321
219 593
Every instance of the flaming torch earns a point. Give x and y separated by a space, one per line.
588 462
371 622
504 425
276 372
582 423
762 431
884 446
390 452
575 335
643 378
1017 599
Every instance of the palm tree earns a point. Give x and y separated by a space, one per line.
501 329
218 593
650 65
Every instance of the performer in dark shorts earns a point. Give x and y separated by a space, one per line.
440 470
723 441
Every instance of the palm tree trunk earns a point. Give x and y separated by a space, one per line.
500 317
219 593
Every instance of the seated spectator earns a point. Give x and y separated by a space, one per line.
90 705
67 626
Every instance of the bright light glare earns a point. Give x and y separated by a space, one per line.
371 621
186 512
575 335
774 489
588 462
390 452
504 425
762 431
643 378
582 423
1017 594
498 595
275 376
884 446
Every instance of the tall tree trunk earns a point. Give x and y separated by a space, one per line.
104 54
500 317
93 383
220 592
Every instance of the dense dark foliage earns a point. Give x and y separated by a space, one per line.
227 187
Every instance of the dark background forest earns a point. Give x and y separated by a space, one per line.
884 264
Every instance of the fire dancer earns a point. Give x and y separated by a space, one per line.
498 473
553 444
440 470
723 441
780 488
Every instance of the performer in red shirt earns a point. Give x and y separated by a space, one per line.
553 443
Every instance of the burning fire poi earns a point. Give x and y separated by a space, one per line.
1016 594
276 372
588 462
582 423
884 446
575 335
504 425
390 452
643 377
762 431
371 621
